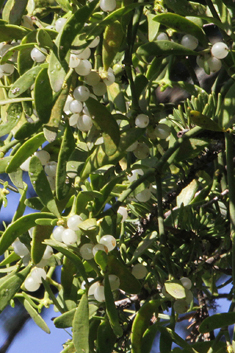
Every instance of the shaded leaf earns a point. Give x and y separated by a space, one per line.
111 308
217 321
105 121
164 48
182 24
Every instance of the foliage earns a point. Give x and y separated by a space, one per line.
134 197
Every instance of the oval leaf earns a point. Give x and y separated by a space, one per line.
175 289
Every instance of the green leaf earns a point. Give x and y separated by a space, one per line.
41 185
24 61
14 112
164 48
116 95
65 320
51 128
143 245
40 233
105 337
175 289
181 24
185 7
187 194
66 149
8 54
25 81
81 326
25 151
11 286
73 27
36 317
65 4
43 96
217 321
128 282
101 258
99 157
153 27
227 108
44 39
105 121
71 255
57 69
203 121
13 11
10 32
111 308
141 323
177 339
19 227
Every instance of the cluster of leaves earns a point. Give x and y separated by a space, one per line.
184 229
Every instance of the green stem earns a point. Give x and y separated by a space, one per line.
7 147
231 187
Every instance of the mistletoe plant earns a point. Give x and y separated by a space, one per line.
134 199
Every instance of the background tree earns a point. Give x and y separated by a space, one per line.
134 196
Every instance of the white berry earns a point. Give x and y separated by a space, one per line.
144 195
83 68
37 274
43 156
219 50
50 168
60 24
139 271
99 293
57 233
84 123
86 251
38 55
73 222
142 120
109 241
108 5
31 285
81 93
69 236
189 41
99 247
186 282
162 36
19 248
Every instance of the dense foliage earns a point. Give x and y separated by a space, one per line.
134 193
